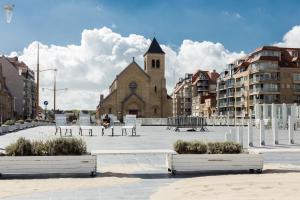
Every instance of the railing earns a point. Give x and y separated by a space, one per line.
222 95
259 79
230 103
230 94
257 90
238 103
221 87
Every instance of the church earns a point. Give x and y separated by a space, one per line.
137 91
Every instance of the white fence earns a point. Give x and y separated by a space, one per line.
261 133
153 121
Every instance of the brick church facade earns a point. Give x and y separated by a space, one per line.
139 91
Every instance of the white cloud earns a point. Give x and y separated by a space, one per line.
291 38
89 68
233 15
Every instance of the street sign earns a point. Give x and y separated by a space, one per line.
45 103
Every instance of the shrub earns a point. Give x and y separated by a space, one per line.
20 121
39 148
28 120
197 147
181 146
60 146
224 148
9 122
21 147
63 146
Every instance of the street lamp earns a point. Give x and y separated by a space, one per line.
54 89
8 9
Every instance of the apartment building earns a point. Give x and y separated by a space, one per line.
6 100
204 93
20 82
195 94
268 75
182 96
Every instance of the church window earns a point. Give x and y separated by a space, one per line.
109 110
132 86
155 111
153 64
155 89
145 66
157 64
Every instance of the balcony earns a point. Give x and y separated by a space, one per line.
230 94
222 96
202 88
259 68
261 79
239 84
239 94
238 103
231 103
230 85
222 87
263 90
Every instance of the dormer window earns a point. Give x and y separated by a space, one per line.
157 63
153 64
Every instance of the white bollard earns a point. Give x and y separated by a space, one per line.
284 115
241 136
261 132
237 134
291 131
250 135
274 131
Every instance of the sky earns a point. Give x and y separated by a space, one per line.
91 41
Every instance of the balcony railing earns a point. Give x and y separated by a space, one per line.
221 87
258 90
239 84
230 103
238 103
222 95
230 94
259 79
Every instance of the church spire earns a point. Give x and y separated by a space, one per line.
155 47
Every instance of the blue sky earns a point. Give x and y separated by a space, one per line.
238 25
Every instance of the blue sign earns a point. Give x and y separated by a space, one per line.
45 103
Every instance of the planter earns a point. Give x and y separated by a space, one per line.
5 128
18 126
214 162
48 164
26 124
22 126
12 128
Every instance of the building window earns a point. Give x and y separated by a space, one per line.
296 77
157 63
109 110
155 111
153 64
145 65
155 89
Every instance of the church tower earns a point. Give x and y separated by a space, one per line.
154 66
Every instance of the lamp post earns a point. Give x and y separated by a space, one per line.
54 90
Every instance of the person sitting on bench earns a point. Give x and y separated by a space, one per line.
106 121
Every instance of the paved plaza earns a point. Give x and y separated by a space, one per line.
143 174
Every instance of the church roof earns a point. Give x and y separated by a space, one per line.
154 47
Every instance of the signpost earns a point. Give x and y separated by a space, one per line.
45 103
